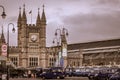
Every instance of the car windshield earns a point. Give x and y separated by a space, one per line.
57 69
68 69
45 70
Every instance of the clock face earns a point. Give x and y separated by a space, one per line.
34 37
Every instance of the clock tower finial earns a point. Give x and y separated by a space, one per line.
24 19
38 18
2 36
19 17
43 19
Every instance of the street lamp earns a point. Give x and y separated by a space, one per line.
8 47
57 40
62 35
64 31
3 13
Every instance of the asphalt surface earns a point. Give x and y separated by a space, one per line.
67 78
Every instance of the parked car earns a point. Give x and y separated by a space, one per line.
101 76
81 72
53 73
39 72
101 73
116 75
77 73
68 72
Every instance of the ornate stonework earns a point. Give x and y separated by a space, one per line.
32 52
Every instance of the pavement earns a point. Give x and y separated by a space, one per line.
67 78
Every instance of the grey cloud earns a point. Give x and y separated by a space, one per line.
93 27
100 21
12 19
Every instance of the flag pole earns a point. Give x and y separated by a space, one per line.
31 17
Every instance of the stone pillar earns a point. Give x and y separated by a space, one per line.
43 58
65 62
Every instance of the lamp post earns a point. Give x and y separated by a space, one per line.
3 13
8 47
57 40
62 35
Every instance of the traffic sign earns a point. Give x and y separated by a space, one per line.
4 49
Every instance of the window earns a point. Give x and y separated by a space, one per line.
74 63
14 60
78 63
33 61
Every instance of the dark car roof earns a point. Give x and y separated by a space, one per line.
56 67
118 70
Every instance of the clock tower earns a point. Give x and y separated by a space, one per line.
32 40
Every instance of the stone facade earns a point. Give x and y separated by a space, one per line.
98 53
32 41
32 52
31 49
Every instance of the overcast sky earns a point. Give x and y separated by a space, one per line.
86 20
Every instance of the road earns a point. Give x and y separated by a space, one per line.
67 78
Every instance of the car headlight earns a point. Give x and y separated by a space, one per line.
96 74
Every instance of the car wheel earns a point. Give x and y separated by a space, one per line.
90 79
106 79
67 75
43 78
58 77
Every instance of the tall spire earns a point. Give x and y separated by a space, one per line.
2 37
19 17
38 19
43 19
24 15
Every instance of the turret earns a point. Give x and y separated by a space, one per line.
43 18
19 17
24 18
38 19
43 29
2 37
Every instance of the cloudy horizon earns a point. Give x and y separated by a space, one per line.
86 20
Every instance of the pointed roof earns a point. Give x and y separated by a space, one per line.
38 18
43 15
2 37
24 14
19 17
